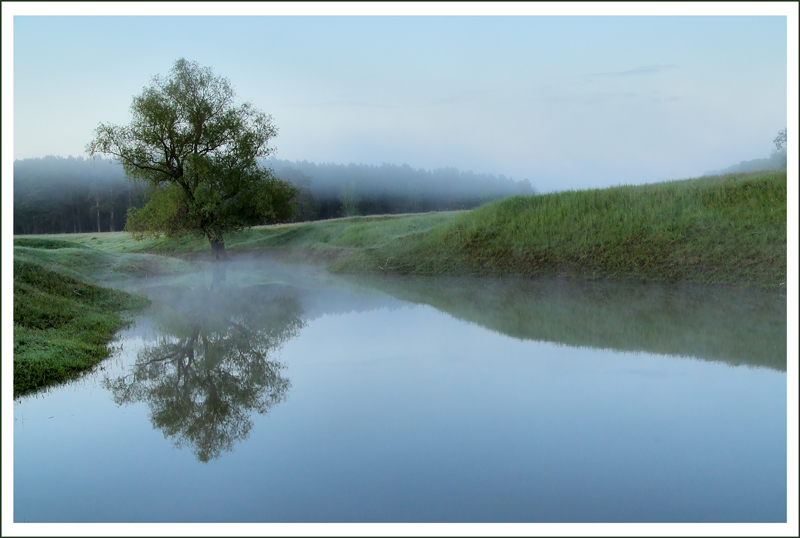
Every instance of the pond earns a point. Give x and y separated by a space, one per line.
269 393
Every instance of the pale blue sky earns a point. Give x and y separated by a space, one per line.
567 102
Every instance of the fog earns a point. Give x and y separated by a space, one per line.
74 195
69 195
714 324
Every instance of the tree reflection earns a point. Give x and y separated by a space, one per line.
210 369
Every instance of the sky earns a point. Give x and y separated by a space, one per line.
567 102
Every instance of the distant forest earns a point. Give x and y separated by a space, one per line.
75 195
336 190
776 161
69 195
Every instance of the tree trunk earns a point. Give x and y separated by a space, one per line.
98 213
217 248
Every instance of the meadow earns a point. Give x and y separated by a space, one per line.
728 230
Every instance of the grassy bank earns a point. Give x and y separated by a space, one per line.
723 230
62 322
713 230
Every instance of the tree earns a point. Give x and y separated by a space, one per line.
196 153
780 140
349 198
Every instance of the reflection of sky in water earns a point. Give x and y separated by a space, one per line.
403 413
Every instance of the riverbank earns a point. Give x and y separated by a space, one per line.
728 230
62 321
62 325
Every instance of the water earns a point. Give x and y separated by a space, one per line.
268 395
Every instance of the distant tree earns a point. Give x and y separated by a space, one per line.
349 198
525 187
96 209
197 154
307 204
59 195
780 140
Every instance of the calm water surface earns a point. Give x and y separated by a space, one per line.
263 394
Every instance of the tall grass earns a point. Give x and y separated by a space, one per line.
723 230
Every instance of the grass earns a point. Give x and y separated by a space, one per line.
61 324
722 230
728 230
63 320
98 261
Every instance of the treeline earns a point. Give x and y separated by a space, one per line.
776 161
76 195
69 195
331 190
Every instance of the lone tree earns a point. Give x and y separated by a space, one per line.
197 154
780 140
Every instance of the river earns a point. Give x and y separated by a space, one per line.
270 393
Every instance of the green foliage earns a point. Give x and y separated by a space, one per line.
721 230
198 154
726 230
61 324
164 212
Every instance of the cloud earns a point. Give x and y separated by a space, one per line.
670 99
636 71
351 103
452 98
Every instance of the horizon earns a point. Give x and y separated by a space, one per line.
289 163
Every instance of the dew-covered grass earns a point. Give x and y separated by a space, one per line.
62 324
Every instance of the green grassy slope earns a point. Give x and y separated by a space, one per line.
721 230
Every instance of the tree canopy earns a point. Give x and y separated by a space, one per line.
197 152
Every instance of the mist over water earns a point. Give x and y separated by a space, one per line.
258 392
